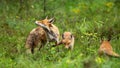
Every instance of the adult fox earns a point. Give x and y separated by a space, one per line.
67 40
106 48
44 33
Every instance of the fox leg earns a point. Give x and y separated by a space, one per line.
40 47
32 50
71 47
28 51
42 44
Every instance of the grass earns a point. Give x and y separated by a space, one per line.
83 55
87 22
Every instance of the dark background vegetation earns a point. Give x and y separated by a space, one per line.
88 20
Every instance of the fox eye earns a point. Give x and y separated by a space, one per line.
50 25
40 21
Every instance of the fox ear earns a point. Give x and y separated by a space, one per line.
101 39
46 17
51 20
109 39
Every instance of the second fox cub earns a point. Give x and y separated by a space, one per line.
67 40
106 48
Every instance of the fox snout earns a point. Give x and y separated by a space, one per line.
42 25
36 22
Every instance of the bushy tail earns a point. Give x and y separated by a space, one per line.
111 53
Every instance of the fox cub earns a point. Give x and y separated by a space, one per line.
67 40
106 48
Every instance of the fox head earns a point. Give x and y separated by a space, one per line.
67 39
103 40
46 24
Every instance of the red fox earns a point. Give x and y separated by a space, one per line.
106 48
41 35
67 40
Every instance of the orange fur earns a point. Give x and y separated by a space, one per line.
51 29
106 48
67 40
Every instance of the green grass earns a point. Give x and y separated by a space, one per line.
87 20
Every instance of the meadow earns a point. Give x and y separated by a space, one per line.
88 20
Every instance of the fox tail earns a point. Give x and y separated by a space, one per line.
111 53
